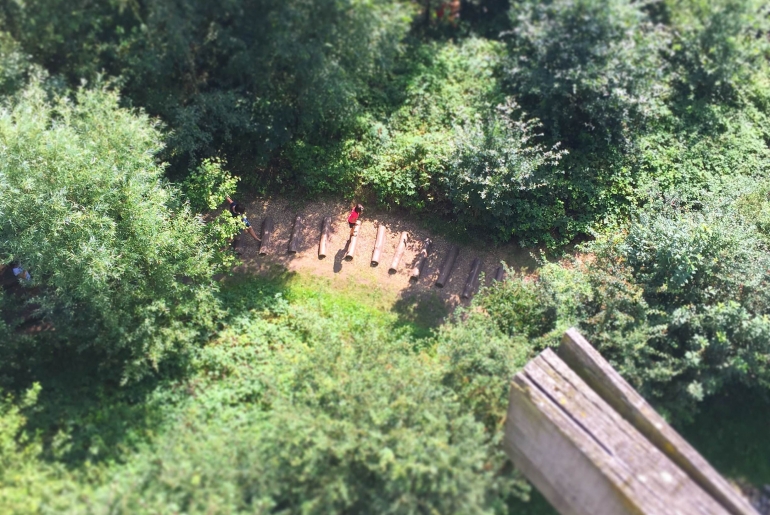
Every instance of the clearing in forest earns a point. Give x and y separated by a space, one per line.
359 276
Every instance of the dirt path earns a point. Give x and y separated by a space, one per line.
359 271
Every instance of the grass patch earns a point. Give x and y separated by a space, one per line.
731 431
330 297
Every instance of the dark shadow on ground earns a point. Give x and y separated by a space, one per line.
421 311
241 293
84 413
338 258
537 505
732 431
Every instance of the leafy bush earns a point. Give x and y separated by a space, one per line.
500 179
406 154
455 144
26 481
313 437
207 189
118 265
207 186
704 276
677 301
586 68
520 307
716 46
290 407
481 361
15 66
240 79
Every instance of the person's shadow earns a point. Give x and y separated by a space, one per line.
338 257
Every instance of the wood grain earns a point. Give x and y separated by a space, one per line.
584 457
607 383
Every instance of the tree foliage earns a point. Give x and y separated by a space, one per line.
292 408
641 126
677 302
587 68
118 265
240 78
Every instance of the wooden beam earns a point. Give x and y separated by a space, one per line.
352 243
584 457
473 276
418 266
325 230
500 273
399 251
605 381
447 266
378 243
267 232
294 241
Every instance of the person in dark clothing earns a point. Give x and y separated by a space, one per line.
238 210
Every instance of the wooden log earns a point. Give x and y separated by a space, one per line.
500 273
267 232
325 230
473 276
353 240
583 456
399 251
447 266
418 266
613 389
378 243
294 241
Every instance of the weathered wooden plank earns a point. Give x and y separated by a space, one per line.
418 266
623 440
267 232
535 437
294 241
584 457
378 243
500 273
607 383
399 251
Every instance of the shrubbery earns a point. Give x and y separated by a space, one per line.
292 408
118 265
678 302
641 125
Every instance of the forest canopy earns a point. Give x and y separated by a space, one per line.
626 141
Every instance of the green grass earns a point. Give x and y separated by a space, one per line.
419 314
733 433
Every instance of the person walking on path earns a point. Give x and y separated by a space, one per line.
238 210
353 218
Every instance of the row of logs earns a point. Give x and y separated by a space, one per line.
445 271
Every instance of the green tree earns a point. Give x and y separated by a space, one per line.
239 78
118 265
717 47
15 66
587 68
502 178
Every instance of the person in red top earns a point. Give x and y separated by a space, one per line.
353 218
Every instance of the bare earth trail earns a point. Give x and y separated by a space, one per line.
359 275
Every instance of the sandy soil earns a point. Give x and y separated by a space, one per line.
360 270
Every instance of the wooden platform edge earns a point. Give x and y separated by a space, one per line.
526 407
599 375
584 457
